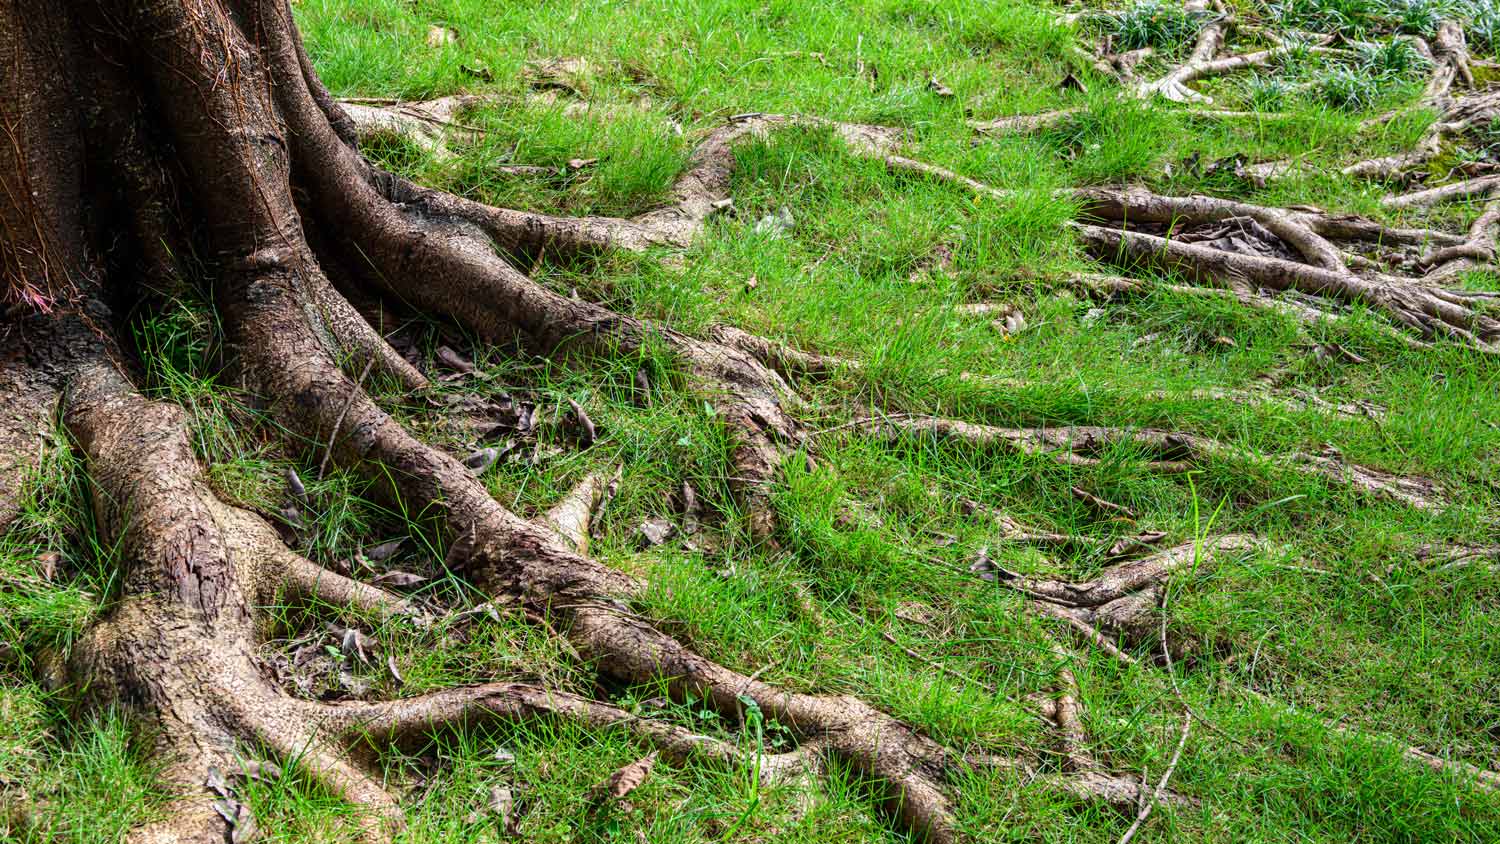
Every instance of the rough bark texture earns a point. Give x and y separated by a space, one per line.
220 136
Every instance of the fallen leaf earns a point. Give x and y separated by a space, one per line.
399 579
692 509
454 361
1070 82
481 460
390 665
504 755
938 87
626 779
581 163
441 36
655 531
384 550
46 565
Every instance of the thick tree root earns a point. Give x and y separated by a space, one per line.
1164 451
265 156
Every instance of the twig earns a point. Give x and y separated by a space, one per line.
1161 785
339 422
1187 726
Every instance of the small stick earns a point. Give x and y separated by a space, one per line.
1161 785
338 423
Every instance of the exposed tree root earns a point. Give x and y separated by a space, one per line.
427 124
264 154
1165 451
1431 311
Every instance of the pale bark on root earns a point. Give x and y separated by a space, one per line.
1431 311
1121 604
1164 451
1099 284
1329 270
406 250
262 150
178 650
699 193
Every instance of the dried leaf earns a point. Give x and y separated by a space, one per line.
504 755
390 665
752 282
260 770
46 565
384 550
625 780
655 531
399 579
692 510
295 485
937 87
454 361
1070 82
581 163
481 460
441 36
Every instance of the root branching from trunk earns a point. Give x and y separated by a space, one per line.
211 108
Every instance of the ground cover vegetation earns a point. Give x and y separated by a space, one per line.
674 421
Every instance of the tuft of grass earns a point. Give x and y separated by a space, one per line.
1154 23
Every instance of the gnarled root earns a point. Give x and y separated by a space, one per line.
1165 451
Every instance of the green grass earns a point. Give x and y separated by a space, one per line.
1336 620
